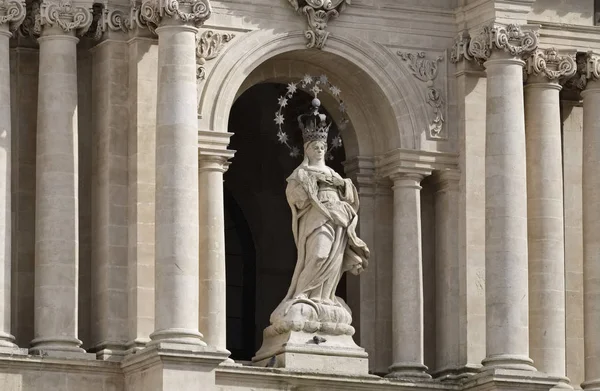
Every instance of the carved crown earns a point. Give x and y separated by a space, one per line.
313 124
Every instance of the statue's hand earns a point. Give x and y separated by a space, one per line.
338 182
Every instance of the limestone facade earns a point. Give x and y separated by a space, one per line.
473 141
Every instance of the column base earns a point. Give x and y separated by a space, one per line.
408 371
591 385
457 373
7 341
177 336
64 347
509 361
500 379
165 366
110 351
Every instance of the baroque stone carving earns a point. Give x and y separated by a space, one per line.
318 14
13 13
105 20
208 46
511 39
588 68
426 71
324 218
194 12
63 14
460 48
550 64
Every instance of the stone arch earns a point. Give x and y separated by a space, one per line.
384 107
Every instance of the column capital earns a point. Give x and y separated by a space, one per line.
110 19
551 65
513 40
174 12
60 14
12 12
407 179
588 73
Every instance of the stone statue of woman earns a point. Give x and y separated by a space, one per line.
324 218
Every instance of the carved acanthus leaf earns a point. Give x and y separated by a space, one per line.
550 64
209 45
194 12
318 14
426 70
460 48
13 13
588 69
63 14
512 39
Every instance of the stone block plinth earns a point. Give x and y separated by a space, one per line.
313 352
172 366
498 379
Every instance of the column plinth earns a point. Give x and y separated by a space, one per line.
407 280
506 217
57 204
591 230
213 310
176 226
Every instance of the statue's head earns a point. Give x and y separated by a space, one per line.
315 151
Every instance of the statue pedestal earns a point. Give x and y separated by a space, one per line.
312 352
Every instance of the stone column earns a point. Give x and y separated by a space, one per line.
591 223
176 226
12 14
407 280
545 224
447 290
212 163
506 196
57 233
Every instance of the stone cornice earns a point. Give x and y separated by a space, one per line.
551 65
12 12
413 161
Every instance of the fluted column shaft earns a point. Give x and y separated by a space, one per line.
6 338
213 310
407 280
591 233
545 226
57 209
506 216
176 226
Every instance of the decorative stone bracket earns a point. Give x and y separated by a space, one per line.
208 46
426 70
318 14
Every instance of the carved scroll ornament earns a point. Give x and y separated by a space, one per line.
12 12
550 64
318 14
426 71
208 46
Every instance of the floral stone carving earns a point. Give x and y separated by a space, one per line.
426 70
512 39
208 46
318 14
551 65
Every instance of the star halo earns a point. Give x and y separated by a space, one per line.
314 85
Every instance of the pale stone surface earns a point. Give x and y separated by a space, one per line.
141 140
176 227
109 199
572 112
407 280
6 337
545 226
591 242
57 252
506 216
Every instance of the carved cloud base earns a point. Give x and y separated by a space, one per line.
313 352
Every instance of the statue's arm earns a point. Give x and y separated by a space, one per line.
296 195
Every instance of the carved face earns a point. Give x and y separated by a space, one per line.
315 151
